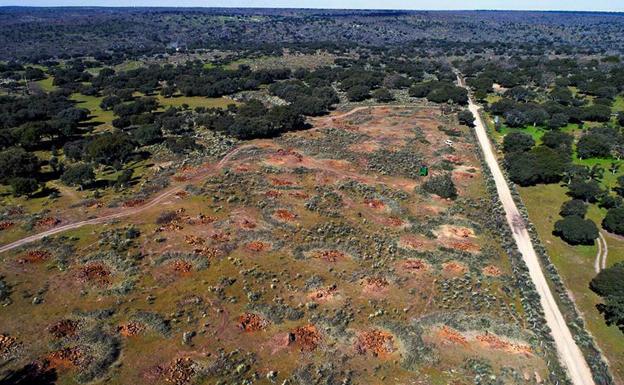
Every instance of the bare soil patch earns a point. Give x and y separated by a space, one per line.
377 342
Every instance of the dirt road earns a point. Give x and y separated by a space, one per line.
125 212
601 256
569 353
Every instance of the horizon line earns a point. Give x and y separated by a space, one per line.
317 8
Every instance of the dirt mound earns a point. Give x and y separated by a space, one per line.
35 256
374 203
133 203
324 294
181 267
455 232
63 328
7 345
465 246
330 255
95 273
250 322
307 337
375 284
273 194
492 271
130 329
220 236
67 358
180 371
454 268
415 265
257 246
452 336
285 215
492 341
376 342
47 222
5 225
392 221
299 195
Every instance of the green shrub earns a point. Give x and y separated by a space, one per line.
441 185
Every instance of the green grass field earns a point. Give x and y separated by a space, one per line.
195 101
576 265
92 103
46 84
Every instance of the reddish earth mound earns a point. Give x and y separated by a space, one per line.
95 273
491 271
374 203
330 255
35 256
375 284
180 372
257 246
377 342
66 358
194 240
323 294
47 222
273 194
7 345
247 224
220 236
299 195
181 267
494 342
285 215
4 225
465 246
415 265
454 268
63 328
281 182
133 203
130 329
450 335
307 337
205 220
250 322
392 221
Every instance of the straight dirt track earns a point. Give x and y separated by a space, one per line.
569 353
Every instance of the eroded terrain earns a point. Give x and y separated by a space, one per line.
315 257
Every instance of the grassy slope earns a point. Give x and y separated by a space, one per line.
576 265
195 101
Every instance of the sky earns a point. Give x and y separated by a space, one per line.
567 5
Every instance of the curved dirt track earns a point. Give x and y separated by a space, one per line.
569 353
121 214
601 256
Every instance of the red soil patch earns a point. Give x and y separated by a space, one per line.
194 240
257 246
450 335
205 219
133 203
66 358
220 236
330 255
208 252
456 232
377 342
180 371
273 194
415 265
247 224
281 182
453 158
299 195
7 345
375 284
465 246
63 328
285 215
181 267
307 337
35 256
130 329
95 273
324 294
454 268
494 342
392 221
47 222
492 271
250 322
374 203
4 225
182 194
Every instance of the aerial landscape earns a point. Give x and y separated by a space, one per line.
305 196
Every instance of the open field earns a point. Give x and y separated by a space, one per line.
320 245
194 101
